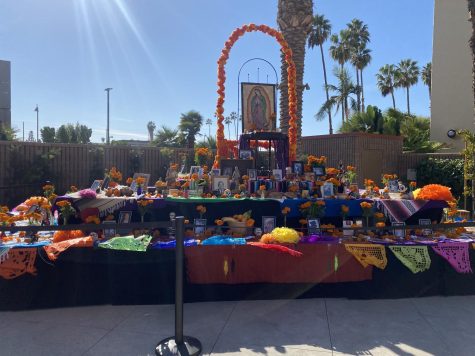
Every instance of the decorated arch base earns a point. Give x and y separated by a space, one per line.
225 146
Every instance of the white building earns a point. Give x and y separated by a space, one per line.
5 94
452 104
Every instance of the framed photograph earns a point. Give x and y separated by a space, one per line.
133 186
313 226
348 223
277 173
268 224
96 184
195 169
228 171
220 183
258 107
245 154
125 217
359 223
228 165
105 183
327 190
216 172
319 171
109 233
252 173
142 175
426 232
201 171
199 226
393 186
297 167
399 233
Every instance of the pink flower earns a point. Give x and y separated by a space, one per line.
88 194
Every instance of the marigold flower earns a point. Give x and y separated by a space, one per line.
286 210
262 187
366 205
320 202
380 224
250 222
303 222
219 222
63 203
345 209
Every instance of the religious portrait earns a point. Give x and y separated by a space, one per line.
258 107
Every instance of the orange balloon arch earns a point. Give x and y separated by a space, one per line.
224 145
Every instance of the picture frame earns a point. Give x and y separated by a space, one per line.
426 232
393 186
348 223
245 154
327 190
318 171
109 233
313 226
277 173
133 186
228 172
297 167
96 184
268 224
259 105
359 223
252 174
199 226
105 183
399 233
242 164
194 169
220 183
142 175
125 217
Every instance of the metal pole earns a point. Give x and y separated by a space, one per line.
179 344
23 131
107 129
37 123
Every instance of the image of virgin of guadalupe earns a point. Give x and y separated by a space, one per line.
258 111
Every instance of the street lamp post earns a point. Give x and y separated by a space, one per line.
37 123
107 130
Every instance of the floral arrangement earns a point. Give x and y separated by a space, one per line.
92 219
350 174
267 239
435 192
201 155
59 235
140 181
66 210
87 194
387 177
314 209
143 205
35 201
367 210
285 211
285 235
115 175
292 88
314 161
48 191
332 171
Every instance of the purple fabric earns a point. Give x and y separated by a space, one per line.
279 141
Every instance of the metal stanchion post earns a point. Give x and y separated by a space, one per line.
179 344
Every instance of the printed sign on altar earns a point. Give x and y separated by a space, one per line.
258 107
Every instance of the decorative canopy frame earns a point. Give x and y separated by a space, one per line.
222 144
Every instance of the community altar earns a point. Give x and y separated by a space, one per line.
259 223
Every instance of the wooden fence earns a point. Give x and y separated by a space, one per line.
71 164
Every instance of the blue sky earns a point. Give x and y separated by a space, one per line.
160 57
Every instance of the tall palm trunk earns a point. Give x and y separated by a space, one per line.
330 124
408 104
358 94
394 100
294 18
362 90
347 111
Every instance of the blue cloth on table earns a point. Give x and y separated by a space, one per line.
172 244
333 207
224 240
27 245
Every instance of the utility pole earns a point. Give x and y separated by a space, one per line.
107 129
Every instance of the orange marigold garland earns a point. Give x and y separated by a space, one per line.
292 90
435 192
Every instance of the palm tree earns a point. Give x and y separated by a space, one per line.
166 137
426 76
190 126
321 30
340 48
386 80
358 39
151 128
343 95
228 120
294 18
209 122
407 75
471 10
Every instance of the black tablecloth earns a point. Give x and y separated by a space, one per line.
83 276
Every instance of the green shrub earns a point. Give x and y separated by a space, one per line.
448 172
